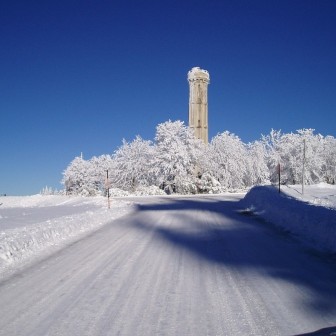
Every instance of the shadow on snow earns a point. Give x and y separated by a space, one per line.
227 237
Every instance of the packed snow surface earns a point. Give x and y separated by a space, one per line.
311 216
170 266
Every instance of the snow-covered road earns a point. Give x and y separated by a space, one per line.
174 266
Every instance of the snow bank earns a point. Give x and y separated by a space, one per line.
308 217
21 242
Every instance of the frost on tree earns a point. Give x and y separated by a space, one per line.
257 172
175 162
329 161
131 165
97 173
226 160
75 177
288 150
178 162
86 178
234 164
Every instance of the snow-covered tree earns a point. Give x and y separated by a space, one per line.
75 177
312 145
131 165
328 169
290 150
97 172
46 191
287 150
178 162
226 160
257 171
271 144
174 166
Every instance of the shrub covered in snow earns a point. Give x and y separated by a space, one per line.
147 191
116 192
208 184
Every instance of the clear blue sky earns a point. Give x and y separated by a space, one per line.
79 76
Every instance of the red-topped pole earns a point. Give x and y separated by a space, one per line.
279 174
108 189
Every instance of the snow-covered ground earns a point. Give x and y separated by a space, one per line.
319 194
173 266
311 216
32 226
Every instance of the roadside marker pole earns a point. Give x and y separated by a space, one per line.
303 164
108 190
279 172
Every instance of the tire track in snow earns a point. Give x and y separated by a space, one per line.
167 271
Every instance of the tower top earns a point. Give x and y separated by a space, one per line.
198 73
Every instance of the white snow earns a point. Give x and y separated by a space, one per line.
173 266
30 225
311 216
319 194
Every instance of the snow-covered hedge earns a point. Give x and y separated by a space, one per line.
140 191
147 191
207 184
117 192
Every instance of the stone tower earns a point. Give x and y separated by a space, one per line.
198 102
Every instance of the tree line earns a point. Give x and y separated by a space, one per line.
177 162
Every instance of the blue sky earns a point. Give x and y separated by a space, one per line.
79 76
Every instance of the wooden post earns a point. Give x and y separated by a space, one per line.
279 175
303 164
108 189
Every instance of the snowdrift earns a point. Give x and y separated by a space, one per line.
305 218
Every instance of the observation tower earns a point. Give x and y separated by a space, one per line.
199 80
